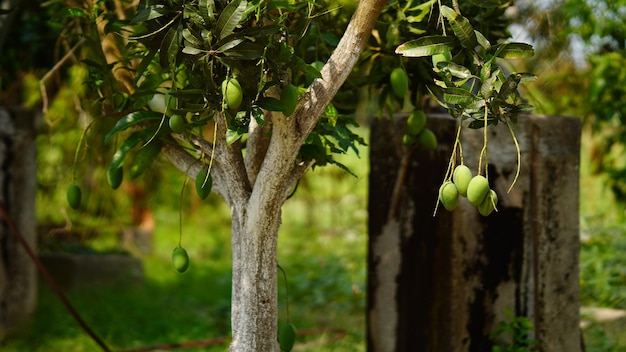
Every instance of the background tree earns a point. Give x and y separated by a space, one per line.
225 91
583 53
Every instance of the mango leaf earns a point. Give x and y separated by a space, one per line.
169 47
150 13
230 17
257 113
482 40
232 136
131 120
331 114
458 96
509 87
71 11
207 10
270 104
461 27
131 142
191 38
427 46
514 50
229 45
244 51
143 65
526 77
455 70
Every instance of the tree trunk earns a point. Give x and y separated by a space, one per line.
18 279
255 186
254 290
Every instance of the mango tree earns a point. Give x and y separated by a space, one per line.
245 96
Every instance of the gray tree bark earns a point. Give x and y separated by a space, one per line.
256 187
18 279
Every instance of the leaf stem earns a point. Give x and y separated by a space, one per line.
519 155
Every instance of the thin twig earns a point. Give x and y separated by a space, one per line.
42 81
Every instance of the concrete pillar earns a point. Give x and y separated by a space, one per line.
18 277
444 283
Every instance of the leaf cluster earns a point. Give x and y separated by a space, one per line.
519 328
469 81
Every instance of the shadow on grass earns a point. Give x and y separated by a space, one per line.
172 308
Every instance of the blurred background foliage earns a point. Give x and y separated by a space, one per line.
580 62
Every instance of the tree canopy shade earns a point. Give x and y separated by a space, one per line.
248 94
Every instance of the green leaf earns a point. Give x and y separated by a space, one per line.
509 87
191 39
71 11
150 13
231 17
232 136
229 45
245 51
458 96
131 120
514 50
455 70
427 46
258 115
131 142
169 47
331 114
482 40
461 27
207 10
270 104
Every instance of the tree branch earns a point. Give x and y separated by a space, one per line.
288 134
336 71
256 146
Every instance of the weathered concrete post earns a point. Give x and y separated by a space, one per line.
444 283
18 279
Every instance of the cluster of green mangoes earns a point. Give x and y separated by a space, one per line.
417 131
475 188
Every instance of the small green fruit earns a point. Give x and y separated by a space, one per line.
204 183
399 82
74 195
232 93
115 176
177 123
180 259
408 139
488 204
289 99
477 189
286 337
428 139
448 195
416 122
461 177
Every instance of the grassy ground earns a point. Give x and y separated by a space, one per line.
322 248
